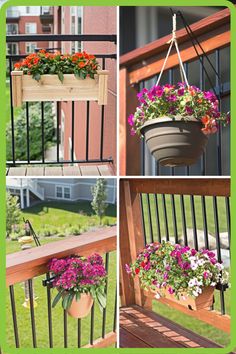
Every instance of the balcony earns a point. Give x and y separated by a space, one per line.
46 15
46 28
12 14
30 266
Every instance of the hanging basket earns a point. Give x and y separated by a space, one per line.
50 88
204 300
175 142
82 307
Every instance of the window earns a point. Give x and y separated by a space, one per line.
27 9
12 28
30 28
63 192
12 48
30 47
76 27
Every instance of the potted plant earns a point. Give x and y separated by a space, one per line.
179 273
46 76
176 121
79 282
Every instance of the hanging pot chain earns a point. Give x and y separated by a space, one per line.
172 41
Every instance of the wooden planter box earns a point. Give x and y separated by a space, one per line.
204 300
50 88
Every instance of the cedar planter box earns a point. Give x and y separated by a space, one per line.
50 88
204 300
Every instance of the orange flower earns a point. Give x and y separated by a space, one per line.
82 64
17 65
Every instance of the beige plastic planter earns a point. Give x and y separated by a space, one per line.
175 142
81 308
50 88
204 300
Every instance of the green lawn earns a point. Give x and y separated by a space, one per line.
8 111
58 214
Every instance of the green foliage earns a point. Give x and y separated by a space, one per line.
13 213
99 194
35 133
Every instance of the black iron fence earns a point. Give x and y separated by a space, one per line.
14 144
216 159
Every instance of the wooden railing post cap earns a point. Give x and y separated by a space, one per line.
103 72
17 73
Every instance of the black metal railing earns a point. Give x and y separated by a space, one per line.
84 151
216 159
73 333
195 221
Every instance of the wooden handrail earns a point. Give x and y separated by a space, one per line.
186 186
200 27
30 263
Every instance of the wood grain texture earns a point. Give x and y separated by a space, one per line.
105 342
185 186
160 45
30 263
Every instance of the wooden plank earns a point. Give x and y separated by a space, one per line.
102 89
17 88
105 170
185 186
53 171
127 340
17 171
105 342
89 170
160 45
35 171
30 263
210 42
129 148
71 171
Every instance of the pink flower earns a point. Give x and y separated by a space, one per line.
171 290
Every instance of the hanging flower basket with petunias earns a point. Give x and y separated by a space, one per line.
47 76
79 282
179 273
176 120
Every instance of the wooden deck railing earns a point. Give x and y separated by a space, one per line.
141 64
24 266
134 229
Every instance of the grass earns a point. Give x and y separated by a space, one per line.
58 214
8 108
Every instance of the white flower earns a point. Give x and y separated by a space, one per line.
195 293
213 284
219 266
157 296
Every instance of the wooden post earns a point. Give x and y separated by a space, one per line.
129 145
131 242
17 88
102 86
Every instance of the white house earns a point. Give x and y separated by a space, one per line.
66 189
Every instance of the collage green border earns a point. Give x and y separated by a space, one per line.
3 103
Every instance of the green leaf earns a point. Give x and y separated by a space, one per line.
60 76
77 296
70 299
57 298
65 301
102 300
36 76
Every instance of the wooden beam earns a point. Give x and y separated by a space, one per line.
30 263
160 45
185 186
211 41
105 342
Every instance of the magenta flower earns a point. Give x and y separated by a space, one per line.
189 110
127 268
181 91
131 120
170 290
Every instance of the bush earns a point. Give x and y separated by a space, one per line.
106 222
14 236
73 230
35 133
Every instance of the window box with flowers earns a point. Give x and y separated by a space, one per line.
179 273
46 76
79 281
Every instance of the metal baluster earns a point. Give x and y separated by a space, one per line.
184 226
72 131
87 132
186 67
115 312
143 220
165 217
49 313
27 132
92 325
58 131
194 222
79 332
174 217
102 118
14 317
33 327
65 329
202 86
105 309
217 233
228 218
157 218
219 133
42 130
12 117
149 217
204 218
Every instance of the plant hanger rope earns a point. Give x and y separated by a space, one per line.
172 42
